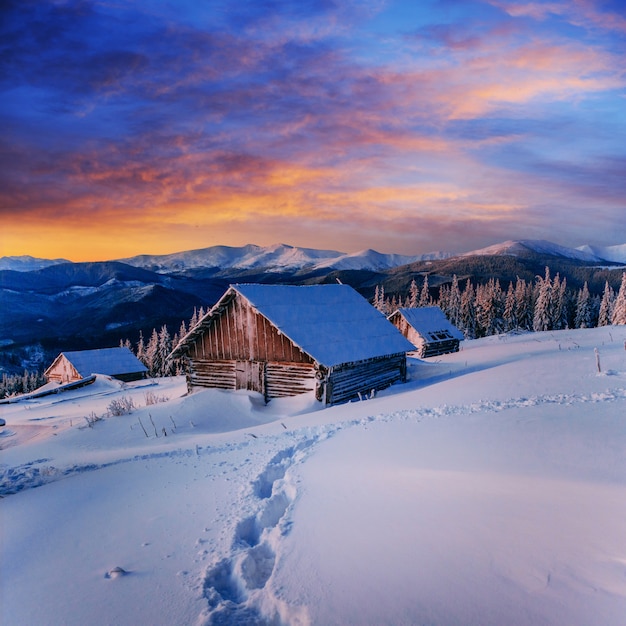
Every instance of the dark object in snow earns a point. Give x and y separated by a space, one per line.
116 572
284 340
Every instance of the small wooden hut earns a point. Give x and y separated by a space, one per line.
118 363
283 340
428 329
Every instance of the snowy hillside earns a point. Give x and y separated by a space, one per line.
489 489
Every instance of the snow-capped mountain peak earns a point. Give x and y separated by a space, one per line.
524 247
617 253
27 263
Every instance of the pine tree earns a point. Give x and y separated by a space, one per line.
558 312
524 304
163 351
510 310
583 308
544 307
424 293
152 354
141 349
483 310
606 306
194 318
454 302
444 300
468 312
379 298
619 308
413 295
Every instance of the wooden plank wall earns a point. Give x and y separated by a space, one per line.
288 379
215 374
242 334
443 346
347 381
63 372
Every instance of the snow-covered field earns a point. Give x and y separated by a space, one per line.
490 489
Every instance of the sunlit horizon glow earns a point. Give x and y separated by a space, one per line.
152 128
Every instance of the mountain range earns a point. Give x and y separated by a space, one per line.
62 305
282 257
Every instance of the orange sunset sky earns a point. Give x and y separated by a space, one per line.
157 127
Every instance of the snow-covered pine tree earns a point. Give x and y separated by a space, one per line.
152 354
194 318
583 308
379 298
484 314
141 349
444 300
424 293
558 313
524 304
164 348
544 307
510 310
468 311
619 308
454 302
606 306
414 295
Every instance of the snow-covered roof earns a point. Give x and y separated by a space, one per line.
429 319
331 323
109 361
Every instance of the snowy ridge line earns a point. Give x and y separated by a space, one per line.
496 406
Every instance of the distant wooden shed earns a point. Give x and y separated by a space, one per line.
118 363
428 329
284 340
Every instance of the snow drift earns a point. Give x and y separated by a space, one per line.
489 489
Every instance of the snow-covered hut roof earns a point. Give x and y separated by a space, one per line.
108 361
331 323
430 319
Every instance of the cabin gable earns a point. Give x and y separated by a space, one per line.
240 333
62 371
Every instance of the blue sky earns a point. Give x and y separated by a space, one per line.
407 127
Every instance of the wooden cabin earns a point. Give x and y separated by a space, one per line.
118 363
284 340
428 329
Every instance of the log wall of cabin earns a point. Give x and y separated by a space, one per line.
443 346
346 382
